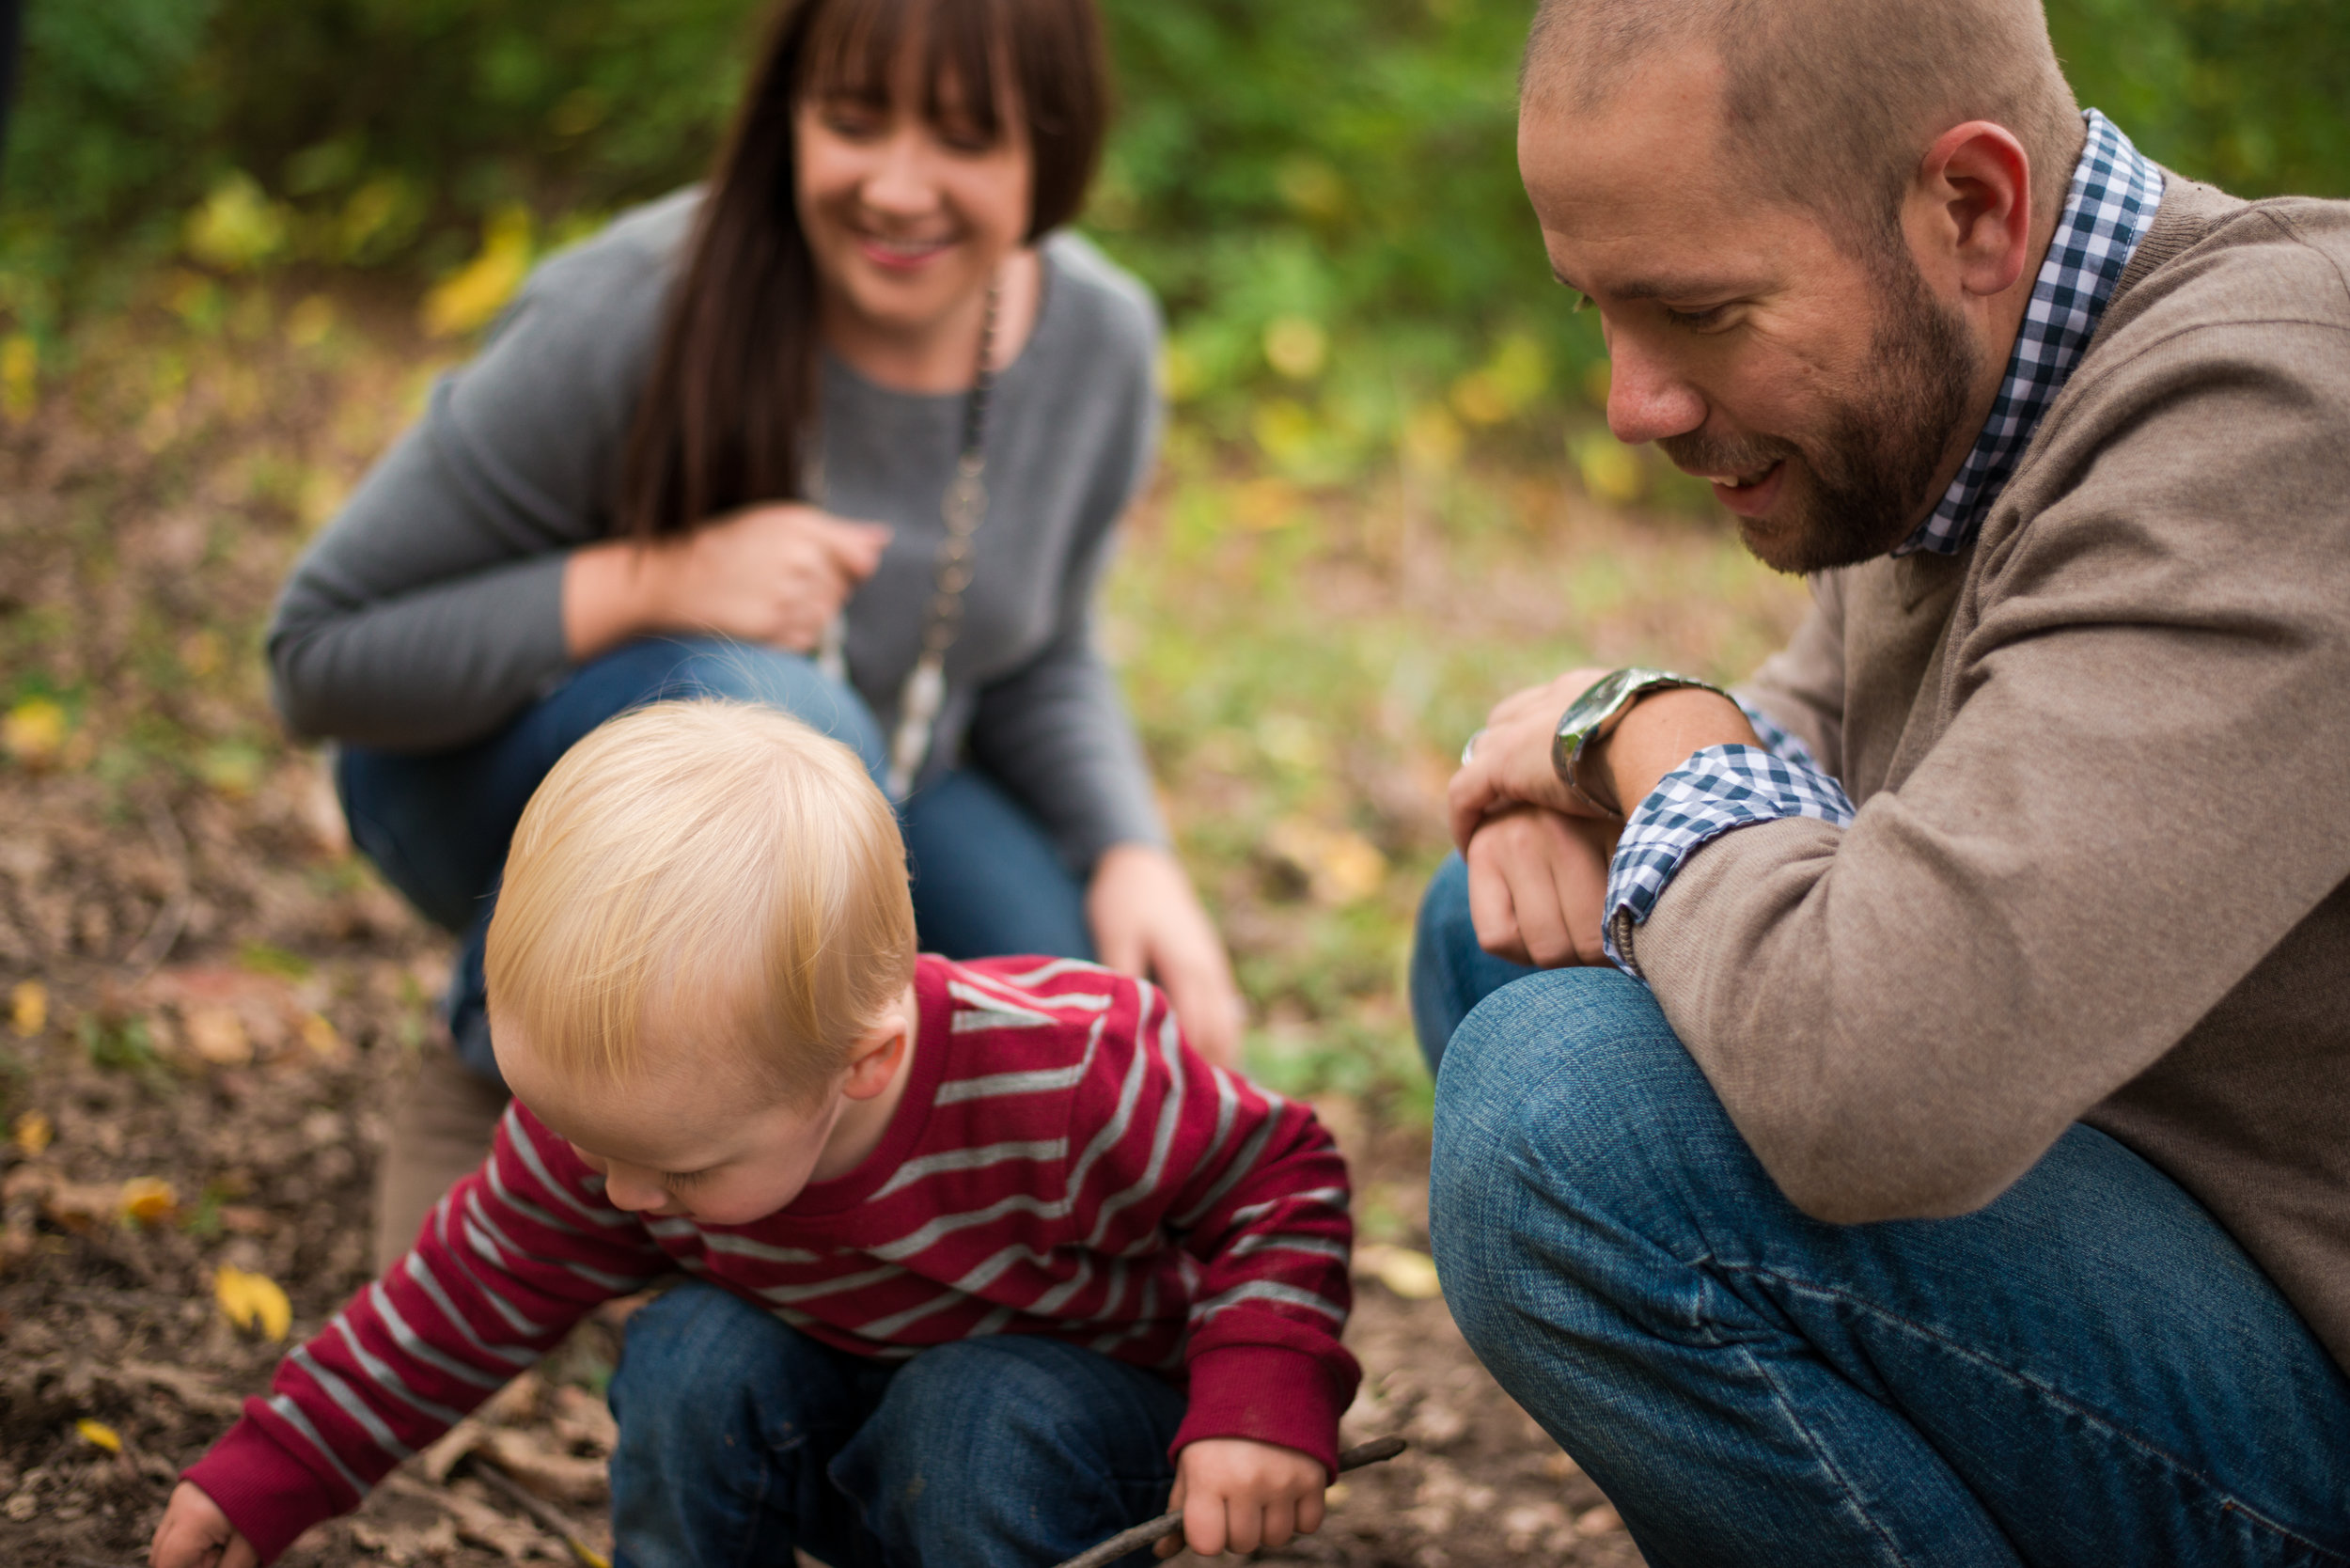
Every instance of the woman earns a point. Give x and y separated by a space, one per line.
643 485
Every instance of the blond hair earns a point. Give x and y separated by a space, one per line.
720 864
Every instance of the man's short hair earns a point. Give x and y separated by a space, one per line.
715 871
1833 102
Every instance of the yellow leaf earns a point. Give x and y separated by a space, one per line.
218 1035
1433 440
1408 1274
149 1200
99 1434
251 1301
20 376
33 731
236 226
320 1035
34 1133
1611 470
1339 867
28 1008
467 299
1296 347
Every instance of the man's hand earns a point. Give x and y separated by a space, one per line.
1238 1496
1147 920
197 1534
1537 884
1510 763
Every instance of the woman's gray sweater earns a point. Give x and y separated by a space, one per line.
429 612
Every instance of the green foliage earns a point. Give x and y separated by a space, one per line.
1324 191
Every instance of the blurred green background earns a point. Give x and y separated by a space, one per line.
1321 191
238 237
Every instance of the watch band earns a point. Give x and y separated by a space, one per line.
1595 715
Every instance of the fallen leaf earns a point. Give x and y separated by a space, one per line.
148 1200
79 1205
537 1465
251 1301
33 731
34 1134
28 1008
441 1457
1339 867
218 1035
320 1035
1599 1521
583 1420
99 1434
1408 1274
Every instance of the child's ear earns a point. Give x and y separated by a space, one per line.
873 1059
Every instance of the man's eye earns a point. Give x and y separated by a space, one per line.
678 1179
1698 319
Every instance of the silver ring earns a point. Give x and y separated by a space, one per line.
1468 751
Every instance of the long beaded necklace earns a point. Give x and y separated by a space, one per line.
963 507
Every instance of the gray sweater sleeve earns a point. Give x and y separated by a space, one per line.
1057 731
431 610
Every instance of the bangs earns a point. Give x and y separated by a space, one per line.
853 53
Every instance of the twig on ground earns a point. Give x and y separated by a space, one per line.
162 932
543 1514
1118 1545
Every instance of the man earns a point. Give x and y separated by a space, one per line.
1927 1137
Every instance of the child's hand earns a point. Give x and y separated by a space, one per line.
1237 1495
197 1534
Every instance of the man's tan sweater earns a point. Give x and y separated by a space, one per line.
2101 869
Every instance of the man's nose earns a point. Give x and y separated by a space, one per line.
1646 400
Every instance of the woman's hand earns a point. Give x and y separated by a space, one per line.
197 1534
1147 920
1538 884
1238 1496
775 574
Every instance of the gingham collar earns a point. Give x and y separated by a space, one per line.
2110 207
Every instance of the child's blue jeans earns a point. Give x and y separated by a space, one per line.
2088 1369
986 877
742 1438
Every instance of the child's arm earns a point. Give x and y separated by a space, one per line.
515 1255
1254 1188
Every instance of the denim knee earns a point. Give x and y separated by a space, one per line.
1564 1100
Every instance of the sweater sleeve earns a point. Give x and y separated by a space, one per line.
1252 1188
2124 813
430 608
515 1255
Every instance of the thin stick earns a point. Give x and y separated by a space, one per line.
1166 1525
543 1512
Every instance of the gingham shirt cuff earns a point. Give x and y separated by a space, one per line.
1777 740
1721 788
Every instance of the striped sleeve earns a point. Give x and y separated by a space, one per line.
515 1255
1254 1189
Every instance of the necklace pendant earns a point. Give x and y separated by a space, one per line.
917 719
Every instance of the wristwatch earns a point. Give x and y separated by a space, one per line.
1593 716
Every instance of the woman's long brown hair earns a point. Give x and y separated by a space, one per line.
734 378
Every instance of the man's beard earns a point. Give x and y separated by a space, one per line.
1867 475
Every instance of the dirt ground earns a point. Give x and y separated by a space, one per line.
206 1004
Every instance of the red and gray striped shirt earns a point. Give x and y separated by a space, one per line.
1062 1162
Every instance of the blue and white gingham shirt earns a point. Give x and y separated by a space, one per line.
2106 212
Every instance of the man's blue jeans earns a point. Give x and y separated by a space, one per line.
986 878
2087 1371
742 1438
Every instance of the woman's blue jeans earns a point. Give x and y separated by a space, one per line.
2087 1371
742 1438
986 877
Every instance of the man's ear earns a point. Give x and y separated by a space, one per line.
873 1059
1970 208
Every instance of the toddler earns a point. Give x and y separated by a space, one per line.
977 1258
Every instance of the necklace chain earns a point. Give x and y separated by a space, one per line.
962 509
